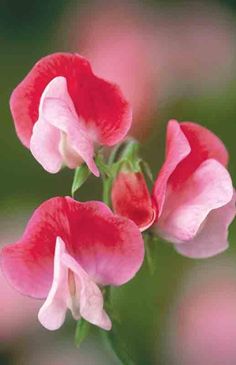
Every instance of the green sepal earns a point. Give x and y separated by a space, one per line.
82 331
81 175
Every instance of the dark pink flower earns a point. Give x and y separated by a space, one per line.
131 199
193 196
68 249
62 111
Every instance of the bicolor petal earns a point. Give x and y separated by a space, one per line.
90 107
99 241
74 143
185 209
212 237
131 198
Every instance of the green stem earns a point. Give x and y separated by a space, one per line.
113 337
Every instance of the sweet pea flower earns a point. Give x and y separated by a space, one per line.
62 111
193 195
67 250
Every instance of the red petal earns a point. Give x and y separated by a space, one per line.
108 247
28 264
98 102
131 199
204 145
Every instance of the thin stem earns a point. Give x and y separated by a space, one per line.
113 337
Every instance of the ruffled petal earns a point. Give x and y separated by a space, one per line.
204 145
212 237
210 187
57 110
131 199
99 103
108 247
177 148
28 264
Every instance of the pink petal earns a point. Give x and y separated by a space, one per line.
28 264
204 145
110 248
57 110
186 208
89 296
84 297
53 312
44 145
212 238
99 103
177 148
131 199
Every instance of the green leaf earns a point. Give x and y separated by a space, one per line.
81 175
81 332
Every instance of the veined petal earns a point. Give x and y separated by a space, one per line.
212 237
98 103
209 187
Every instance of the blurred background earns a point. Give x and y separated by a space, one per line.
172 60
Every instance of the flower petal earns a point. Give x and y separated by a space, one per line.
44 145
28 264
89 295
131 199
83 298
57 110
177 148
53 312
108 247
204 145
212 238
210 187
99 103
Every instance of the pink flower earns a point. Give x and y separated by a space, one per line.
193 193
62 111
67 250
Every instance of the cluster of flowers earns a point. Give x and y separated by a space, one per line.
66 115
